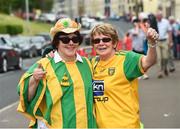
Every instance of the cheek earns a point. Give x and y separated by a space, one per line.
60 46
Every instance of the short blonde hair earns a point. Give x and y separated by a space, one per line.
107 30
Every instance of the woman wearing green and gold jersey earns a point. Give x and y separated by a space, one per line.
57 92
115 83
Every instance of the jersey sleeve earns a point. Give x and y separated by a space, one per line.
28 108
132 65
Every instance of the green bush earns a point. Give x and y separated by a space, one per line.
14 29
11 29
3 29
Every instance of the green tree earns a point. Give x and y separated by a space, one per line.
7 6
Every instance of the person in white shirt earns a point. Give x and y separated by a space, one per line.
165 42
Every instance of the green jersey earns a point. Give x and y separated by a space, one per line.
63 99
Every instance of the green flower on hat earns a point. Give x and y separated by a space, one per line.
65 24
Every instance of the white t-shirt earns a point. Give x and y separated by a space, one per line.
164 27
137 39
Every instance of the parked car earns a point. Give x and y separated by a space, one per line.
39 42
86 22
46 36
27 48
9 57
7 40
60 15
47 17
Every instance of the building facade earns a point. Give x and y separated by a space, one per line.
107 8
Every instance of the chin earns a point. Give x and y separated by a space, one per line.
102 53
71 54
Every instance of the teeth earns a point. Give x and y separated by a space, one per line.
102 48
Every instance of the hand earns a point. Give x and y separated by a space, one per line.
170 44
39 73
50 54
152 36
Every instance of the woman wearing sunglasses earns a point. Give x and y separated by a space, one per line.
57 92
115 83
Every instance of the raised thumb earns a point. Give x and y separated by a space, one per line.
39 66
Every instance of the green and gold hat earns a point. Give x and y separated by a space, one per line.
65 25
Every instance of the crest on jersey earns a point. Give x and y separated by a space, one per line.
111 71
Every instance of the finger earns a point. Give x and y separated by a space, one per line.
40 69
39 76
39 65
43 73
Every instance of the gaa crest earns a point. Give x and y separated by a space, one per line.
111 71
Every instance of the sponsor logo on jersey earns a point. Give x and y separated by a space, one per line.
98 87
101 99
111 71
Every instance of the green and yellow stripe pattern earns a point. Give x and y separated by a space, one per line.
64 97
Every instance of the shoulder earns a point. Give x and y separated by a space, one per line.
44 61
122 52
85 59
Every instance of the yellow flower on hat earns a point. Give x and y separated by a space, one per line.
65 25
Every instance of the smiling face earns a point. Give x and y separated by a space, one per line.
67 45
103 46
104 39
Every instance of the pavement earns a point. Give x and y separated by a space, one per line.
159 103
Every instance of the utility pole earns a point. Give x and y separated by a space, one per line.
70 9
27 14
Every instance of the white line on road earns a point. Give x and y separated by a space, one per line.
8 107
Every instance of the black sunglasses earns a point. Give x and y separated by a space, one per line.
98 40
66 40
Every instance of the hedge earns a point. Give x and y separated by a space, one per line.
3 29
11 29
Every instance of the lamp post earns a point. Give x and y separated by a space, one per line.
27 14
70 9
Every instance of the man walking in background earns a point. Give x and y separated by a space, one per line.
165 42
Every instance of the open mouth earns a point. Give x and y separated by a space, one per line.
102 49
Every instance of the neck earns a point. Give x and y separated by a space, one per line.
107 57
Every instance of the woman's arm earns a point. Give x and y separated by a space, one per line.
150 58
37 75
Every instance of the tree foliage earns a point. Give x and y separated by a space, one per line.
8 6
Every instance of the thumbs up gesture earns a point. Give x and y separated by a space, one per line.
151 34
39 73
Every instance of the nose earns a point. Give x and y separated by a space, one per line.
101 42
71 42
